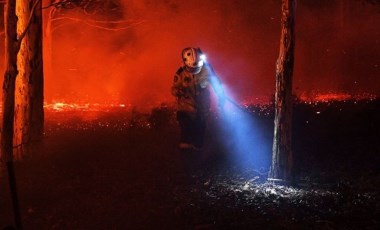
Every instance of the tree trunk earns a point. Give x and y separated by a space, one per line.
11 50
282 161
48 15
29 114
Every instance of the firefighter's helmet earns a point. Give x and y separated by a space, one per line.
193 59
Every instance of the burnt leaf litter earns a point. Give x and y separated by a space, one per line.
121 169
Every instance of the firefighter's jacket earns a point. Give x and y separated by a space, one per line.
192 90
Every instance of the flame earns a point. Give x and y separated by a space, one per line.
335 96
67 107
79 105
61 106
326 97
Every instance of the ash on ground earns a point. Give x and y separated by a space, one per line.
122 169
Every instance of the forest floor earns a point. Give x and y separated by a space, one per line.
120 169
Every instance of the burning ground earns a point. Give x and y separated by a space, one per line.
113 167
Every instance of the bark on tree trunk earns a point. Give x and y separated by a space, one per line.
282 155
11 50
29 114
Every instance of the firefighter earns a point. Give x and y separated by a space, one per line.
191 85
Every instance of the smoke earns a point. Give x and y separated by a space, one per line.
337 48
137 65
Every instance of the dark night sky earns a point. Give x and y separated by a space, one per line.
337 49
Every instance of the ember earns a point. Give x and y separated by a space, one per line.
65 107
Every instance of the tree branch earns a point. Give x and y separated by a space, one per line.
132 21
113 29
57 4
32 11
100 24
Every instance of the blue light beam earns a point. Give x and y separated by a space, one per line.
244 137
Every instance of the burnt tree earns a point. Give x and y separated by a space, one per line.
29 113
282 155
11 50
12 47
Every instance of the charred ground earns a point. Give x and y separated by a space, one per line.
122 169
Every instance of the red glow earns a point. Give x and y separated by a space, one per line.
131 58
93 107
331 97
66 107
